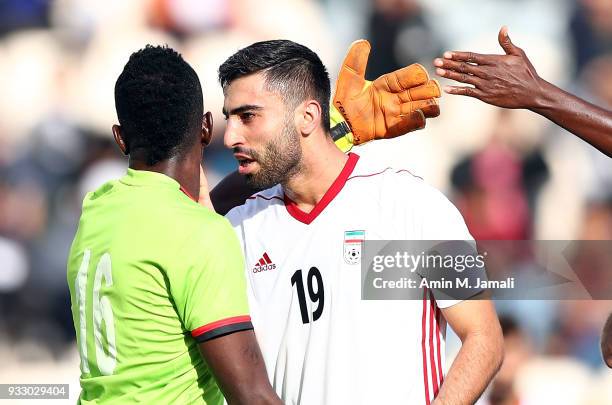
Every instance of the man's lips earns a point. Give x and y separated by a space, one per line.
245 163
242 157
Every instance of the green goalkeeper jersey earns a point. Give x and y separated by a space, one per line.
152 273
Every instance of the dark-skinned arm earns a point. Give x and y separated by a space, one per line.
606 342
231 192
237 364
511 81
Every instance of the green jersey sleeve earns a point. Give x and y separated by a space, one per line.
210 290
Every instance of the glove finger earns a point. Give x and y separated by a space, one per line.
410 122
356 59
351 77
429 107
402 79
429 90
355 62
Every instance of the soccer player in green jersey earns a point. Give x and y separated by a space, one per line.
156 280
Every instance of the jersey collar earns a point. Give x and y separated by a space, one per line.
329 195
147 178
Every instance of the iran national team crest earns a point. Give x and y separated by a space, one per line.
352 246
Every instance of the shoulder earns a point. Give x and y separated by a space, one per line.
179 218
257 204
387 179
105 190
198 217
406 195
200 234
406 189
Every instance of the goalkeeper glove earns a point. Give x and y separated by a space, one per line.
392 105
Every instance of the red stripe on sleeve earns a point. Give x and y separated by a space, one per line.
434 371
219 324
440 374
423 337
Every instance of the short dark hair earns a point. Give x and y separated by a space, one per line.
159 103
291 69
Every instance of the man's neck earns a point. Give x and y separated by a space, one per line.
184 169
321 165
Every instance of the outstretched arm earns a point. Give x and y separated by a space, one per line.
511 81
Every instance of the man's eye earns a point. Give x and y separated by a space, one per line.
247 116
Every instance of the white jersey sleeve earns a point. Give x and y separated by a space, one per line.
431 215
235 218
252 207
444 221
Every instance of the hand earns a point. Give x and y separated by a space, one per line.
392 105
204 197
508 81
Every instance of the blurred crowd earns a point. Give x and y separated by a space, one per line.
512 174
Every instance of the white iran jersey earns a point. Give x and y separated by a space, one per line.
321 343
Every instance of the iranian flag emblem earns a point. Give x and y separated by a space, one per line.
352 246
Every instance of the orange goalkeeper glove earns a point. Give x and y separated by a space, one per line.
390 106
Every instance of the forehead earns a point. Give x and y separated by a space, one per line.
250 90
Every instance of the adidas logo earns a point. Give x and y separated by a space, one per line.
264 264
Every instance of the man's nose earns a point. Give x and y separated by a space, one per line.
232 137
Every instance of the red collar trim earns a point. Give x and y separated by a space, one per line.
187 193
329 195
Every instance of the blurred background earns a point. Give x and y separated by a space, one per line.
512 174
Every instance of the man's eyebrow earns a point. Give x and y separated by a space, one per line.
241 109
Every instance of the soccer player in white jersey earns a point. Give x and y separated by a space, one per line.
321 343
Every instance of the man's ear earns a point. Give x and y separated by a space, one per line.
207 128
119 139
309 117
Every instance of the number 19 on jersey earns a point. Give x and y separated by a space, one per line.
317 296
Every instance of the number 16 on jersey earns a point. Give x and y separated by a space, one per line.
102 312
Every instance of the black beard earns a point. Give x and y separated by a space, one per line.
280 160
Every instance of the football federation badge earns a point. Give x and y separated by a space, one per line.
352 246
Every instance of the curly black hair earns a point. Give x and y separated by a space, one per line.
291 69
159 103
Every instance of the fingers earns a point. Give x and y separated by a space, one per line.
402 79
357 57
410 76
459 77
431 89
410 122
459 67
430 107
471 57
352 72
464 91
506 43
